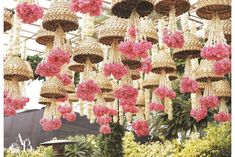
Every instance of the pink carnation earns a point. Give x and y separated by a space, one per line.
156 107
86 91
188 85
131 109
198 114
93 7
104 120
64 109
141 48
216 52
100 110
173 40
29 13
112 112
58 57
115 69
50 124
70 116
65 79
163 92
222 67
127 95
141 128
47 70
222 117
132 31
209 101
146 66
126 48
105 129
9 110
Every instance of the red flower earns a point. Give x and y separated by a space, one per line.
156 107
132 31
127 95
70 116
209 101
104 120
65 78
50 124
141 48
58 57
100 110
163 92
64 109
188 85
141 127
105 129
222 67
173 40
126 48
199 114
131 109
222 117
115 69
47 70
146 66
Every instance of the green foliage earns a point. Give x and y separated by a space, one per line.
34 61
111 145
76 78
83 148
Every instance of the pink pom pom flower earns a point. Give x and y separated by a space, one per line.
222 67
29 13
86 91
70 116
146 66
210 102
104 120
131 109
105 129
115 69
222 117
47 70
58 57
65 79
156 107
132 32
64 109
173 40
216 52
141 48
50 124
141 128
126 48
163 92
188 85
198 114
100 110
93 7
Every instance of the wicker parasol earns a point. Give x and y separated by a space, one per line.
103 82
227 30
151 81
148 30
44 101
44 37
135 74
8 20
222 88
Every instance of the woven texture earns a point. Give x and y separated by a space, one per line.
148 30
164 6
44 101
103 82
132 64
72 97
114 29
135 74
76 67
70 88
140 99
60 14
44 37
151 81
123 8
173 76
206 9
221 88
8 20
227 30
108 96
88 48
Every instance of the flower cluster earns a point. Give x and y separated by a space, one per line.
199 114
104 120
71 116
156 107
132 31
163 92
222 117
173 40
86 91
115 69
141 127
105 129
100 110
45 69
58 57
222 67
216 52
127 96
146 66
188 85
65 79
93 7
210 102
50 124
29 13
64 109
135 50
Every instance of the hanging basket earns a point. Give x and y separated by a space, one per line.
222 88
151 81
207 9
173 76
72 97
16 68
70 88
131 64
60 14
76 67
227 30
108 96
123 8
103 82
205 72
192 48
202 85
88 48
114 29
164 6
163 62
44 37
135 74
145 7
140 99
44 101
148 30
8 20
53 88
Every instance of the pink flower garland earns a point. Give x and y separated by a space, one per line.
86 91
93 7
47 70
216 52
70 116
132 31
209 101
131 109
156 107
141 48
141 128
104 120
188 85
126 48
173 40
58 57
163 92
65 79
105 129
29 13
146 66
49 125
64 109
222 67
222 117
115 69
198 114
100 110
